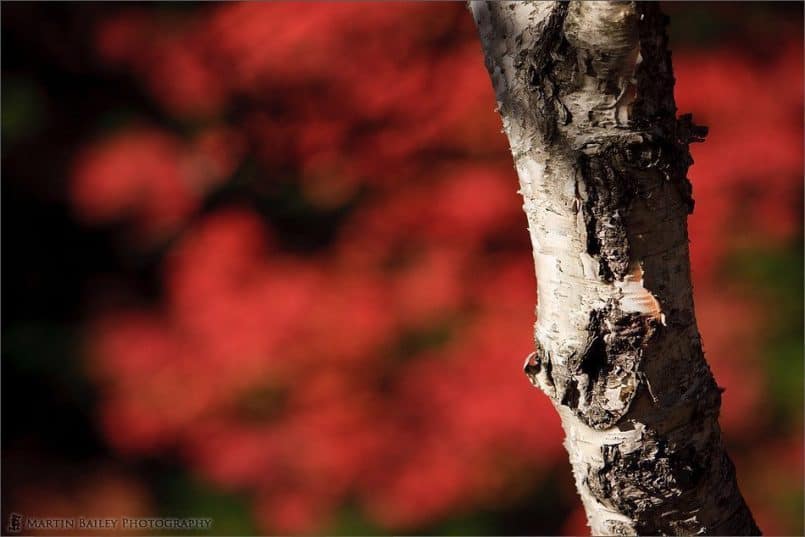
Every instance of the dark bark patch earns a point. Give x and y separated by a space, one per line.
549 66
571 396
610 173
654 109
610 361
609 193
594 362
636 483
676 167
658 484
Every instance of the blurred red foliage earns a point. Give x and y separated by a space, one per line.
151 177
384 366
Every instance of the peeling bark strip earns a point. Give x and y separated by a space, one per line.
585 91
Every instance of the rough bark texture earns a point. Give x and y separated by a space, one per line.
585 91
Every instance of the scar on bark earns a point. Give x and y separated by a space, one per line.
606 168
604 378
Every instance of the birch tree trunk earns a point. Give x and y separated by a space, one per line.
585 91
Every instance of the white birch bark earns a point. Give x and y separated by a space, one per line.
585 91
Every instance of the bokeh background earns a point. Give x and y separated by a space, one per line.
266 263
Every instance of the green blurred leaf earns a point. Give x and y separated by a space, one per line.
352 521
182 496
775 276
23 109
